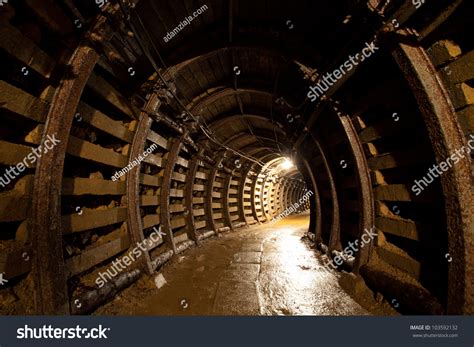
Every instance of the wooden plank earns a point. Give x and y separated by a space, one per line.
149 200
461 95
201 175
199 212
377 131
150 220
183 162
200 224
92 219
96 255
23 49
158 139
148 180
103 88
102 122
460 70
12 154
18 101
86 150
393 192
199 187
443 51
14 264
177 193
399 227
466 119
176 208
399 259
177 223
13 207
154 159
178 177
86 186
395 159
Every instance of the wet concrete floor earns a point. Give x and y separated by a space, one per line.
260 270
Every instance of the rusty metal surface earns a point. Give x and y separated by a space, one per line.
49 273
225 201
262 200
209 189
240 195
135 225
366 196
165 215
335 233
252 198
446 137
188 197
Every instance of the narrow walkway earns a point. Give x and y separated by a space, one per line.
262 270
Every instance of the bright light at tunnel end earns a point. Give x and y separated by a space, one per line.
287 164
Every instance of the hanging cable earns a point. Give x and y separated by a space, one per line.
205 131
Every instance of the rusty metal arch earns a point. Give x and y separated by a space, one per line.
48 265
446 137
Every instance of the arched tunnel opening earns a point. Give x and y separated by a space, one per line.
236 157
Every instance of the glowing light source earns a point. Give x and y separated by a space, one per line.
287 164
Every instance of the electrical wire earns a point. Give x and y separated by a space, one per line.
205 131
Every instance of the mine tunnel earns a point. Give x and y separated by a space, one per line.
236 157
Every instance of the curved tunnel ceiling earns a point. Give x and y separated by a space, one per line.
224 104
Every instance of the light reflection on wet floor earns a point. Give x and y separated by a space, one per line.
262 270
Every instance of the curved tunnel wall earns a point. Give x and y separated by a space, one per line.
65 219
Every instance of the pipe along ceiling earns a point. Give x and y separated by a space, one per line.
250 109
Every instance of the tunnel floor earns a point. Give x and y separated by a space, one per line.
260 270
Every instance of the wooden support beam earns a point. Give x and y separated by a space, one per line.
92 219
102 122
95 255
86 150
23 49
85 186
398 226
106 91
14 264
18 101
